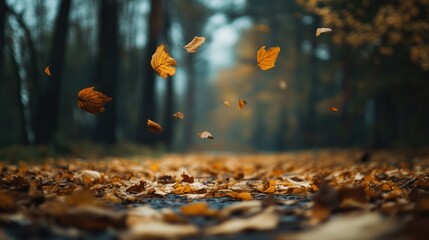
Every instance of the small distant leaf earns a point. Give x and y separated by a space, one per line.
178 115
194 44
205 134
227 103
266 59
153 126
322 30
283 84
48 71
241 103
91 101
333 109
162 63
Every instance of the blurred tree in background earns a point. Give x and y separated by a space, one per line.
373 67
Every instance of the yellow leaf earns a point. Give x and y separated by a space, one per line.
162 63
197 209
266 59
91 101
194 44
241 195
322 30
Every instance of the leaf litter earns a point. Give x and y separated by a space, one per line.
180 196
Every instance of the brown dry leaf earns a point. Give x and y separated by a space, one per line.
241 103
266 59
187 178
48 71
270 187
91 101
194 44
137 188
198 209
154 127
7 203
263 221
322 30
227 103
241 195
162 63
205 134
333 109
179 115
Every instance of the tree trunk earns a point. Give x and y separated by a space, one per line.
107 69
148 108
47 110
2 36
190 100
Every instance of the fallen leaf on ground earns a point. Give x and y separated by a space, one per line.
48 71
241 195
241 103
187 178
154 127
197 209
178 115
162 63
160 230
322 30
91 101
205 134
193 46
266 59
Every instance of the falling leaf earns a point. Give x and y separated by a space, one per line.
162 63
197 209
153 126
283 84
48 71
91 101
187 178
205 134
333 109
194 44
241 103
266 59
178 115
322 30
227 103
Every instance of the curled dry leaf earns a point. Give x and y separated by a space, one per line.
194 44
241 103
205 134
333 109
162 62
153 126
266 59
227 103
322 30
91 101
178 115
48 71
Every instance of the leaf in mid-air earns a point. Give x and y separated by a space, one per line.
91 101
48 71
322 30
226 103
153 126
162 63
205 134
241 103
179 115
194 44
266 59
333 109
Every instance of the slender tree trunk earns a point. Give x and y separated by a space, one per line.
47 111
148 108
190 100
107 69
2 36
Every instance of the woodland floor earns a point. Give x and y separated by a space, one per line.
305 195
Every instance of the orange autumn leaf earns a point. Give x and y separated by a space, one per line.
194 44
322 30
48 71
182 189
197 209
241 195
162 62
153 126
91 101
266 59
178 115
241 103
333 109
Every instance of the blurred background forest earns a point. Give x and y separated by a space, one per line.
374 67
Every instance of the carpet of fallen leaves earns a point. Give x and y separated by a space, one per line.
305 195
